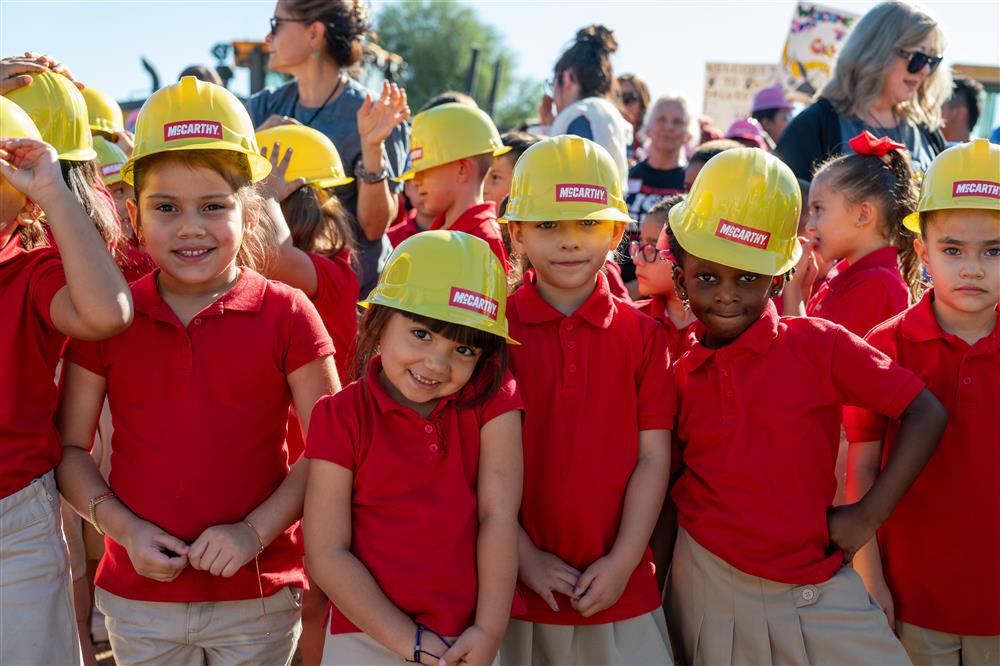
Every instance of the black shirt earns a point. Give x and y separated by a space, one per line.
646 186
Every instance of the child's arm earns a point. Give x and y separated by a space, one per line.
603 582
96 302
499 494
222 550
80 401
863 462
543 572
341 575
920 428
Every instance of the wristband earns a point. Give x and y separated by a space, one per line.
369 177
94 501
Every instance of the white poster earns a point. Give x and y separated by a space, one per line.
730 87
816 35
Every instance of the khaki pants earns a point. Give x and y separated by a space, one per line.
722 615
359 649
638 641
222 632
927 647
37 621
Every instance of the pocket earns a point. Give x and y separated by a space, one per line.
293 597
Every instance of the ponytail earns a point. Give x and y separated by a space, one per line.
903 202
589 59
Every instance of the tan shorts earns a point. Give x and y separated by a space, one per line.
37 621
927 647
221 632
722 615
359 649
634 642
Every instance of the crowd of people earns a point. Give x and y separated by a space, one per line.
304 374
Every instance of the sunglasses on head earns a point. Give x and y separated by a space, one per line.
915 60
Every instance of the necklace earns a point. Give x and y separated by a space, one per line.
295 106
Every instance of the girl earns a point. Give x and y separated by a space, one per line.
133 260
599 408
411 507
200 565
857 204
41 306
758 574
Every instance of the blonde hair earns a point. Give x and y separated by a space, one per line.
871 48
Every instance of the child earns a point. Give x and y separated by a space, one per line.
758 574
451 149
200 564
415 477
599 407
41 306
857 204
496 187
934 566
415 220
132 259
700 157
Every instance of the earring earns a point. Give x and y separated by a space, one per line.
315 54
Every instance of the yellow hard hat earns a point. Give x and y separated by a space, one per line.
195 115
446 275
59 112
964 176
450 132
15 123
566 178
103 112
110 159
743 212
314 157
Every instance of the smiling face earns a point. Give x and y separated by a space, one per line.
419 367
900 85
191 222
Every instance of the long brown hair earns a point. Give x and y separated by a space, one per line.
318 221
81 179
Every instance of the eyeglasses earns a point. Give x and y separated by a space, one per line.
629 97
915 60
278 20
648 252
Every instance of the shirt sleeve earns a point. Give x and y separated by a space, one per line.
46 280
655 381
331 437
864 425
867 378
88 355
506 399
307 339
580 126
870 304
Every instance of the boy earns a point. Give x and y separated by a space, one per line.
934 566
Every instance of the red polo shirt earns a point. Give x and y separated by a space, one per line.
336 300
656 307
199 418
414 505
616 285
133 261
399 232
479 221
591 382
29 346
860 295
941 545
760 419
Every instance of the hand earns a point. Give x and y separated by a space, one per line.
274 120
601 586
474 646
544 573
222 550
808 267
124 140
432 649
154 553
275 186
377 118
32 167
880 593
850 528
545 114
15 70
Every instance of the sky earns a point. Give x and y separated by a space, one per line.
665 42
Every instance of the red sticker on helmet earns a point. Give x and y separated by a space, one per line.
975 188
417 154
743 235
186 129
470 300
588 193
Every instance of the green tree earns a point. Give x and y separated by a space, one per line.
436 40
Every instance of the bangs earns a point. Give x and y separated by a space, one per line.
463 335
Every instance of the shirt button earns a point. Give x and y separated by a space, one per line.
967 381
571 344
819 307
569 326
428 428
197 322
808 594
433 448
572 367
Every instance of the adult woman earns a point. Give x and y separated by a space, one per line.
886 81
584 92
315 41
634 94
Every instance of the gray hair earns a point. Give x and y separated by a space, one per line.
681 101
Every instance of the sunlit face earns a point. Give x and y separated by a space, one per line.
899 85
191 223
496 186
668 127
419 367
566 254
436 186
631 102
656 277
289 44
961 251
832 225
775 126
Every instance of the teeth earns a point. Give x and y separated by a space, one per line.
423 380
191 253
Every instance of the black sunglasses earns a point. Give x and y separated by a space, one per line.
278 20
629 97
915 60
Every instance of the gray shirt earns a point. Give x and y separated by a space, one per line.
908 134
338 120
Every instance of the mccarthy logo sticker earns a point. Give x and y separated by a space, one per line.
975 188
185 129
109 169
470 300
417 154
744 235
591 193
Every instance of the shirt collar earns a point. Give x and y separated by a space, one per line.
472 218
12 248
246 295
386 403
598 310
921 325
758 338
884 257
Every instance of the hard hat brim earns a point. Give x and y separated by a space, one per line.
260 166
610 214
395 306
79 155
324 183
411 172
912 222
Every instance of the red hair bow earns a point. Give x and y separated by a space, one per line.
866 144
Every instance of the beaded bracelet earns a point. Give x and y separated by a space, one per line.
103 497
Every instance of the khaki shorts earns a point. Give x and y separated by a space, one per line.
927 647
722 615
37 621
634 642
359 649
221 632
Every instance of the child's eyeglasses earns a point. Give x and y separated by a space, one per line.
278 20
915 60
647 253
